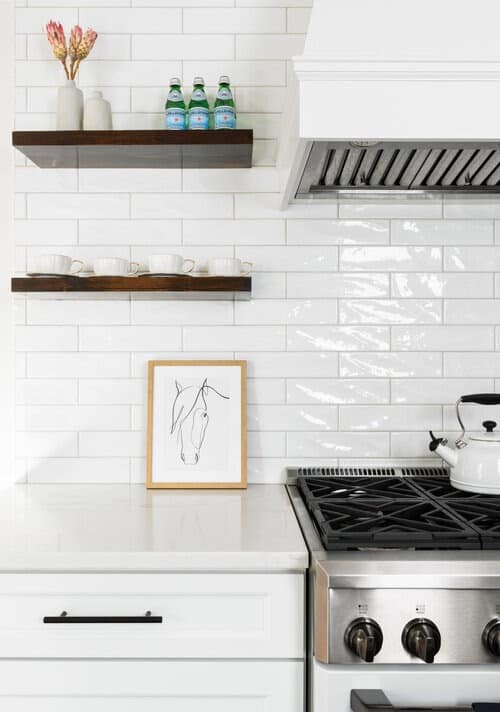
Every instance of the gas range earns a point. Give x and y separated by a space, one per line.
404 579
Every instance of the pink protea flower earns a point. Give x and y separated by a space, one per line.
75 39
57 40
87 43
80 45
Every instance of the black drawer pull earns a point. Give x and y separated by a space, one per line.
376 701
64 618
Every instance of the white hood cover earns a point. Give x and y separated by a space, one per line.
421 74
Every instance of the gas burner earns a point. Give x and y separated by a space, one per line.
396 524
419 511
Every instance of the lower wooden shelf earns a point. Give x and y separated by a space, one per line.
177 285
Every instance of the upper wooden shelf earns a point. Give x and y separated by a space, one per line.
137 149
177 285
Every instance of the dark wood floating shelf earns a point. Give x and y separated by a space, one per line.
137 149
222 287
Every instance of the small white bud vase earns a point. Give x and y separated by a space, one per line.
97 115
69 107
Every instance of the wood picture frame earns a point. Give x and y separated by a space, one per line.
196 425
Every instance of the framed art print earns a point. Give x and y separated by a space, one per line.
196 424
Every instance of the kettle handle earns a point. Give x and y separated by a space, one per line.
480 399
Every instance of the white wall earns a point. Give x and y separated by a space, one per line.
365 318
6 246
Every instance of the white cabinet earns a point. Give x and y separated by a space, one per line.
151 686
226 643
204 615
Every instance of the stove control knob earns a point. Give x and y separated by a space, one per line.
491 637
421 638
364 637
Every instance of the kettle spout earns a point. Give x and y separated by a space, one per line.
440 447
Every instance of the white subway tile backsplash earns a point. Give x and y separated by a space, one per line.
442 338
390 417
337 232
86 470
286 311
77 205
437 391
472 311
46 338
46 391
182 46
389 311
233 232
390 365
234 338
330 445
291 418
111 391
77 312
269 46
133 20
290 258
434 284
234 20
367 317
73 417
472 259
184 205
335 391
78 365
390 259
112 444
331 285
128 338
442 232
338 338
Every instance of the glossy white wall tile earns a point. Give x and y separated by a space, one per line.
367 320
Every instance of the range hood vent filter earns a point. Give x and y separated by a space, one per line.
336 168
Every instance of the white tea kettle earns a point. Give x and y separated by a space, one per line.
475 460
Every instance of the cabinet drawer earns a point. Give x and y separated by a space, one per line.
202 615
151 686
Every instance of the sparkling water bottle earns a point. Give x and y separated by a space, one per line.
224 107
198 114
175 108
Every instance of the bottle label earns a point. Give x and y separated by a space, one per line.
174 95
224 93
224 117
198 95
175 119
199 118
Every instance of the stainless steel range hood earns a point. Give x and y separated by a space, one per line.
335 168
391 97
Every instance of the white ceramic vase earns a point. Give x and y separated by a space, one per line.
69 107
97 113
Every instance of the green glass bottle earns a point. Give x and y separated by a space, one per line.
224 107
175 108
198 113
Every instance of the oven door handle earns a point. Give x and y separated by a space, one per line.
376 701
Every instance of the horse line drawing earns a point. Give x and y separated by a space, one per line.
190 419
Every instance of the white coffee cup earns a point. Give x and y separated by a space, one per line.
114 267
170 264
228 267
56 264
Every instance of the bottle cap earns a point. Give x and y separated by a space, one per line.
223 79
175 81
199 80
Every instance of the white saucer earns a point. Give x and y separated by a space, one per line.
50 274
163 274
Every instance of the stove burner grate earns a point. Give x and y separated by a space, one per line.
410 512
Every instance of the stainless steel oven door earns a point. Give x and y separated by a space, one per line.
422 687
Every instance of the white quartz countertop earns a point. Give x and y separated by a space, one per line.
128 528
